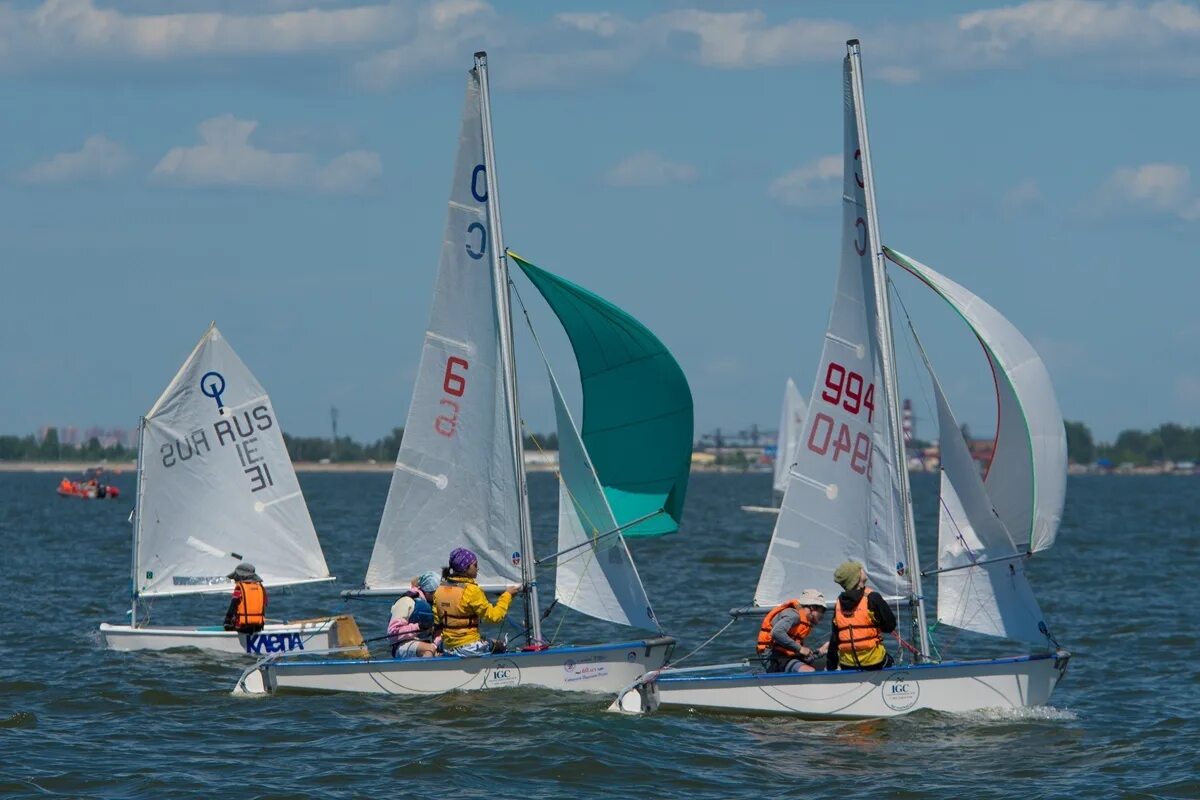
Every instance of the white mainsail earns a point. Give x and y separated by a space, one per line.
455 482
217 485
1027 479
983 586
791 427
842 496
596 575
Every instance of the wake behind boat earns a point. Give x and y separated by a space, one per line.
215 487
848 497
460 479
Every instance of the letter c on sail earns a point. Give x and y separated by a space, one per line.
212 384
861 225
481 170
857 177
478 254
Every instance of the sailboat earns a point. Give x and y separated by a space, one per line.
459 478
216 487
791 425
848 497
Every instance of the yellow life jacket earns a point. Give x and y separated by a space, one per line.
450 613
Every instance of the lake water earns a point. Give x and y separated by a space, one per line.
79 721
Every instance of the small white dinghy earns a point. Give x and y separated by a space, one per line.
791 427
460 477
216 486
848 497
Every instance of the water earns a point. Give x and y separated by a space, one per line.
78 721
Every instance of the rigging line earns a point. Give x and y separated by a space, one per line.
908 343
704 644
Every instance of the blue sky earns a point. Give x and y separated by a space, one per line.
282 167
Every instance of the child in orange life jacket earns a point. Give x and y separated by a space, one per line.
459 604
248 606
783 631
411 628
860 619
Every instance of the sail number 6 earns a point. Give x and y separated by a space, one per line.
454 385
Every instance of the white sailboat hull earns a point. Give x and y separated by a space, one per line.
950 687
286 637
605 668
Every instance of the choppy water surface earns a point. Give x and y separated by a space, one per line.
78 721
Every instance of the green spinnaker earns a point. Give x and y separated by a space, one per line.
637 405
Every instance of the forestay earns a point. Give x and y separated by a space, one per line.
791 427
1027 479
842 496
985 589
596 575
217 485
637 405
455 481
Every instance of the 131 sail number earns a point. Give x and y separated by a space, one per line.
454 385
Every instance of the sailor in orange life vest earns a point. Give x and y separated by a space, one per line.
248 607
459 603
860 619
781 636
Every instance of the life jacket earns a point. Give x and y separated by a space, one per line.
797 632
420 620
252 606
858 634
451 614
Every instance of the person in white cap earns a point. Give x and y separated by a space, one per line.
783 631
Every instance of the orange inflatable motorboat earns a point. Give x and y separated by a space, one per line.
87 490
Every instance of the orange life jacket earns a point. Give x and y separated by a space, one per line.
252 607
448 605
857 632
797 632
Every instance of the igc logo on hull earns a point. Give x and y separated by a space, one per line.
900 692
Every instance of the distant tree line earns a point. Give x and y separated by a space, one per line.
300 448
1167 442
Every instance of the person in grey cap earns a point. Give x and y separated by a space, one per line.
861 617
783 631
248 606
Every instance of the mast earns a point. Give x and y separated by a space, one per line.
888 354
533 617
137 528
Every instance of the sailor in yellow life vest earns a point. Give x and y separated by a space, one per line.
248 607
459 604
782 633
860 619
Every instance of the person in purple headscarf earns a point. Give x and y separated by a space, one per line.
459 603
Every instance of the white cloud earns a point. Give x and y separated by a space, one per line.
1025 194
1157 189
648 168
743 39
100 158
226 158
813 184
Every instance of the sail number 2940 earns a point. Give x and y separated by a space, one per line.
454 384
846 390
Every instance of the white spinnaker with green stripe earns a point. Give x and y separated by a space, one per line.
1028 475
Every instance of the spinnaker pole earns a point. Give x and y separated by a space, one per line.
888 353
533 617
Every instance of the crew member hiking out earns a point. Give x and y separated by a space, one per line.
248 606
459 604
860 619
783 631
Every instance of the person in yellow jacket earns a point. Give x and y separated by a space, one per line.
860 619
459 604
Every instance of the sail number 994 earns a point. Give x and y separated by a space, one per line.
847 391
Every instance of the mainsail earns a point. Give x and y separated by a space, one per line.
216 484
791 426
637 405
596 575
455 482
842 497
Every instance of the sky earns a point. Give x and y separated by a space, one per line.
282 167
